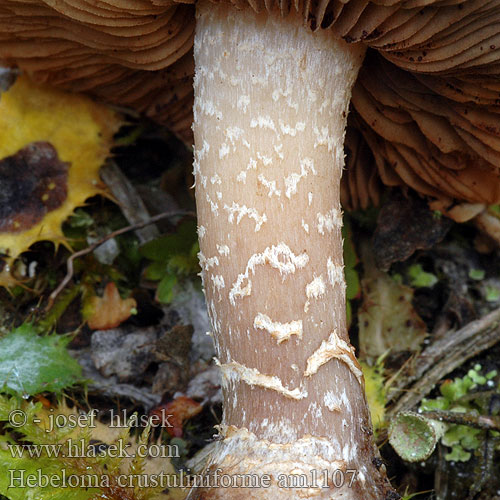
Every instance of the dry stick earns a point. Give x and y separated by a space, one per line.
445 346
131 204
91 248
488 422
449 341
456 347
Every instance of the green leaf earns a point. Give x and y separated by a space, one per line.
463 435
469 440
456 397
175 258
420 278
353 287
161 248
77 226
350 257
80 218
476 377
453 435
458 454
31 364
180 242
492 294
476 274
183 264
453 390
155 271
165 290
440 403
352 282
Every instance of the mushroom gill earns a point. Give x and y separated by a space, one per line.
430 116
129 53
427 102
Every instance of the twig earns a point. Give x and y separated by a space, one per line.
447 354
91 248
446 346
449 341
477 421
131 204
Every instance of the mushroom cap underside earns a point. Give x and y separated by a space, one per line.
427 100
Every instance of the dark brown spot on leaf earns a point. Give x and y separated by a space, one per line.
33 182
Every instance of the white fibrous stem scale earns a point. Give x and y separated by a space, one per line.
271 101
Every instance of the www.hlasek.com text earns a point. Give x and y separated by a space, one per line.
81 449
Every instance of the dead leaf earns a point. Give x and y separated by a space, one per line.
387 319
124 352
110 310
175 344
178 411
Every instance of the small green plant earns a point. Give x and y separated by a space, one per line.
174 258
409 496
420 278
69 461
492 294
457 396
476 274
450 418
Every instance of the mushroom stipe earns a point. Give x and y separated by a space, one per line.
272 91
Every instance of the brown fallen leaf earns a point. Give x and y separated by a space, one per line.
110 310
176 413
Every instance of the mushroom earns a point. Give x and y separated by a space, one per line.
272 92
135 54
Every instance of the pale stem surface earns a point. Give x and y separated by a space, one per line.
271 101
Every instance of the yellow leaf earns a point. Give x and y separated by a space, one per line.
79 130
